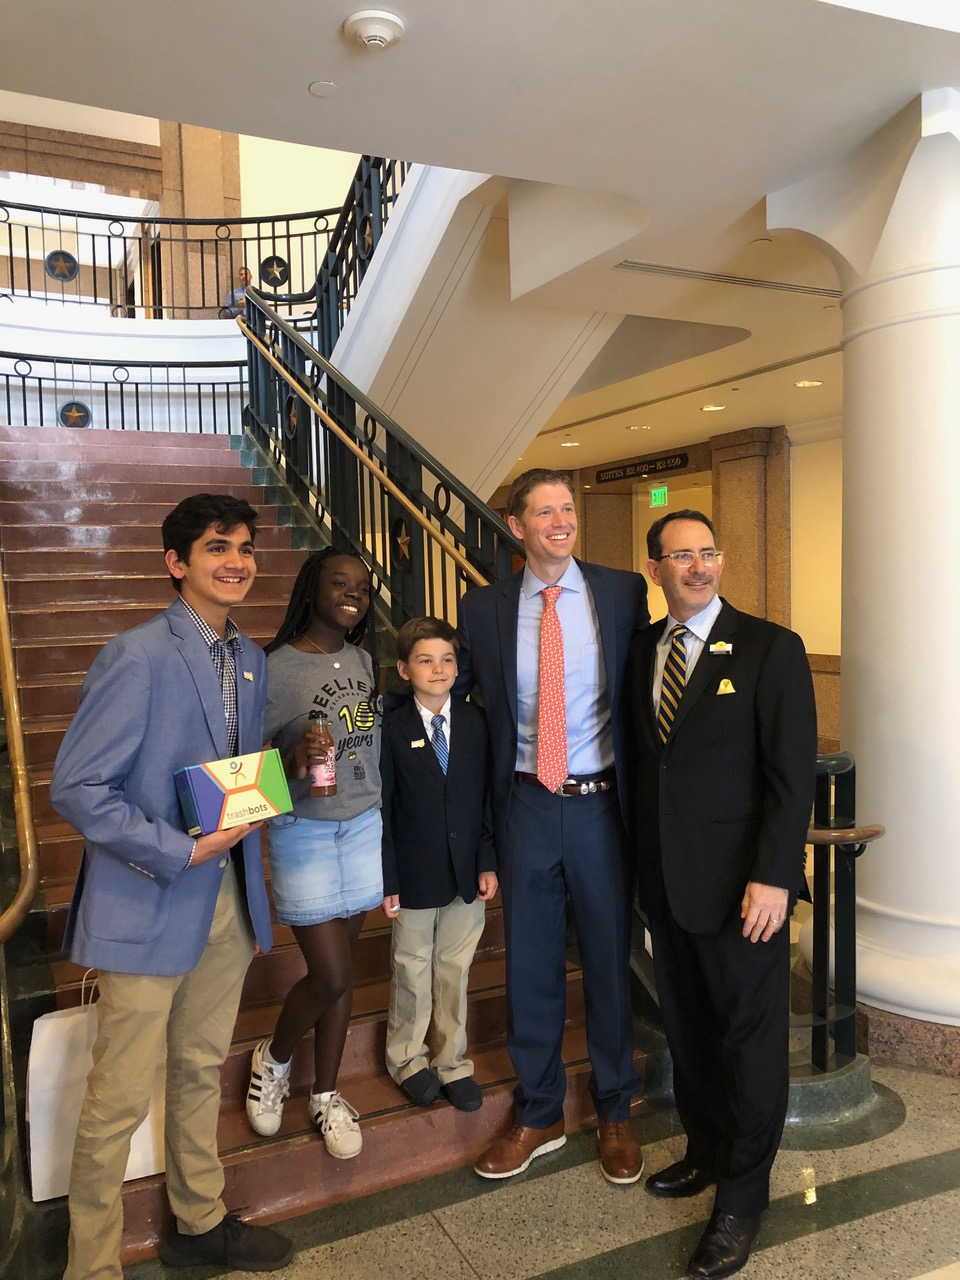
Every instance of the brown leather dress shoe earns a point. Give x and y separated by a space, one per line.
513 1150
621 1157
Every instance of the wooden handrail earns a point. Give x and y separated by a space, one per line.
16 913
382 478
846 835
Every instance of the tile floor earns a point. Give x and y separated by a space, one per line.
879 1199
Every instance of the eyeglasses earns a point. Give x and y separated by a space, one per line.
684 559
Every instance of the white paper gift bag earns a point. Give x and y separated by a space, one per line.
61 1055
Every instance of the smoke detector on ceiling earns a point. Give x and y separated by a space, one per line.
374 28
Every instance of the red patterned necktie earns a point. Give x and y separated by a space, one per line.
552 717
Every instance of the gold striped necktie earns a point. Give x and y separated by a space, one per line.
674 678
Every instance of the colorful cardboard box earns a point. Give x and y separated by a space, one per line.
228 793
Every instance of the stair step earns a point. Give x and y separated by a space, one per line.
98 512
157 449
29 476
111 562
80 440
56 536
102 589
262 617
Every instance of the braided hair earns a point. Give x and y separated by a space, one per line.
300 608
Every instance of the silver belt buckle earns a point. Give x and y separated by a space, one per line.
567 782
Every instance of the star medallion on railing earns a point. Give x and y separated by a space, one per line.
61 266
274 271
74 414
400 541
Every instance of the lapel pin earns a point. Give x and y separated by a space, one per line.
248 675
420 742
726 686
722 647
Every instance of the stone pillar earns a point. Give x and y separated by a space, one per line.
751 489
201 179
889 218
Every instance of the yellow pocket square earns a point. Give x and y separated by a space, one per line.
726 686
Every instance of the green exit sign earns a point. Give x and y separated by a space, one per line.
658 496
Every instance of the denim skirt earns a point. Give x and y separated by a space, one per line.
325 870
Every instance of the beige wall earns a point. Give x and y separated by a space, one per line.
282 177
816 515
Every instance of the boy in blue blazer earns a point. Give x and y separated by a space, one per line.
171 922
439 866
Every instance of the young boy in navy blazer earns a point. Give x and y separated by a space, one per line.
439 866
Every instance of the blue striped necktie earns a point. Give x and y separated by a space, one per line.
674 679
439 742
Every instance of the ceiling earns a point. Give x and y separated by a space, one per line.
694 108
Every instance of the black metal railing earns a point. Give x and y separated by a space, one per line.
156 268
837 843
370 486
369 203
207 396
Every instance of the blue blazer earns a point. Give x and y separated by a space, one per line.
151 703
488 660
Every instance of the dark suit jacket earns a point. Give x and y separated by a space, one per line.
727 799
436 828
488 660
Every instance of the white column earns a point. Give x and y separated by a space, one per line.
889 217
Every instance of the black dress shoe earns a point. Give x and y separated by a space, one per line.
679 1180
724 1247
464 1093
422 1087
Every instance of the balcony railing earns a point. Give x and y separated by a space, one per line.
135 395
370 486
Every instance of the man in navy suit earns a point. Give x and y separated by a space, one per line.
171 922
727 738
548 650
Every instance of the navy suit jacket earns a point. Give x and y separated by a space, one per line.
488 659
152 703
436 828
728 798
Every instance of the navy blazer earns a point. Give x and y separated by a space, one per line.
436 828
727 799
488 659
151 703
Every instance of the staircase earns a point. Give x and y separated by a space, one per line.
80 515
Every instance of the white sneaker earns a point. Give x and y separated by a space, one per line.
336 1121
268 1088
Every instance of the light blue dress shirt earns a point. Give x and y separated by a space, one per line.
589 737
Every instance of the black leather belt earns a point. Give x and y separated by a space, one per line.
591 786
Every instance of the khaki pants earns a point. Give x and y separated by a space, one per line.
431 953
188 1019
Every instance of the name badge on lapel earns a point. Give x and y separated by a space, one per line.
420 742
726 686
722 648
248 675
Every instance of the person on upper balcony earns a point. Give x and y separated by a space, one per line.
235 303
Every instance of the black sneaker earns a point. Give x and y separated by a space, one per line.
234 1243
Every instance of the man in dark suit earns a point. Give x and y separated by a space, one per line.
439 866
726 724
548 650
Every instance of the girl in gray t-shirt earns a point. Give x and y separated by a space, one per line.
325 868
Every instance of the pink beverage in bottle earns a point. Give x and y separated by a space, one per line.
321 756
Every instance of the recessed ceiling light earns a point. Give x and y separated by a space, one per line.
322 88
633 428
569 444
712 408
646 427
809 382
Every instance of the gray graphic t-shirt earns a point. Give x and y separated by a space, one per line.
298 683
